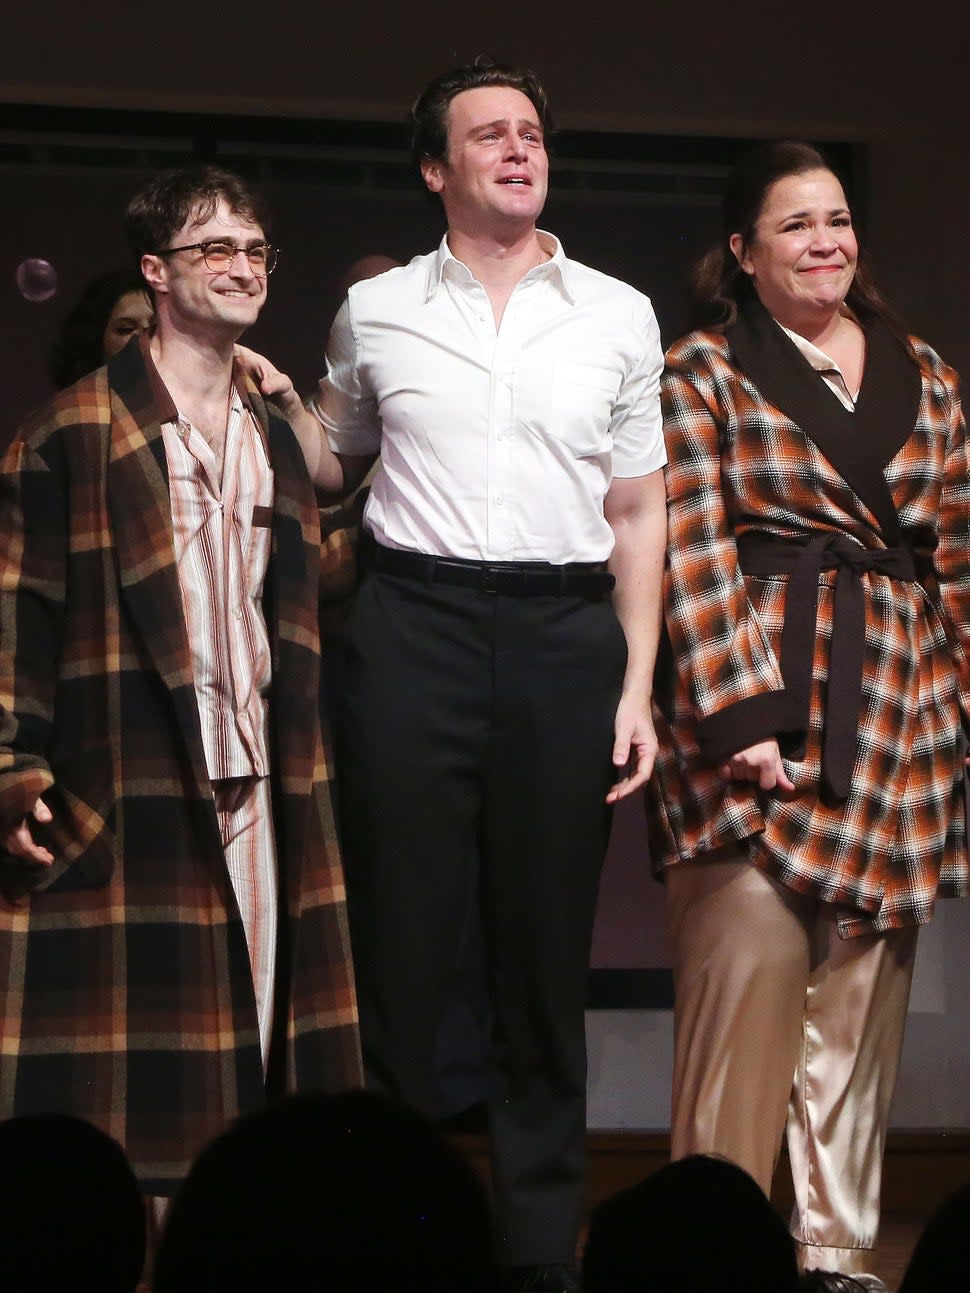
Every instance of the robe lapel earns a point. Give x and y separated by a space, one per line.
290 605
141 518
859 445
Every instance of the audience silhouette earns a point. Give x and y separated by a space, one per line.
328 1192
941 1260
700 1224
71 1213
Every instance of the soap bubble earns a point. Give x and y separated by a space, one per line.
36 279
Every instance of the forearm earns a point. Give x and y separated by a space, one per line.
637 561
323 465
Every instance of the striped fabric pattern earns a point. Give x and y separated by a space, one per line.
221 553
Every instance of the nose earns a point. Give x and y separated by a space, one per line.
823 240
239 266
514 146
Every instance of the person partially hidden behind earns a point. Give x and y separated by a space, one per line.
495 698
173 940
113 308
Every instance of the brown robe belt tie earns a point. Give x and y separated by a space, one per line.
762 554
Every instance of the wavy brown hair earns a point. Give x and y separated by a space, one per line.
158 211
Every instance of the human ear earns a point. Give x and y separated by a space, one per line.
431 173
153 272
740 252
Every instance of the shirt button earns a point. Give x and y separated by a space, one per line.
499 500
237 613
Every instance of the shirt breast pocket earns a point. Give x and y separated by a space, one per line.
570 403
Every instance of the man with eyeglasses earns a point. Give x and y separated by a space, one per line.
173 944
496 697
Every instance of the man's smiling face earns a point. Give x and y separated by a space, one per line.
198 300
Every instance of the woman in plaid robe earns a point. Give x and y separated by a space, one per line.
126 994
807 808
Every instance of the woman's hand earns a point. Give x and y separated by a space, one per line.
760 763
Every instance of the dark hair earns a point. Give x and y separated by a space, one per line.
699 1224
429 112
158 211
78 346
329 1194
939 1260
718 285
71 1212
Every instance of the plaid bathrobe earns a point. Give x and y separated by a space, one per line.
125 988
817 591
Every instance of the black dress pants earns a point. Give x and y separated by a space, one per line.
477 731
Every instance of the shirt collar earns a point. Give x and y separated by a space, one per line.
164 404
823 364
555 269
819 360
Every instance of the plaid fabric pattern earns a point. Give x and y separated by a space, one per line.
737 464
126 994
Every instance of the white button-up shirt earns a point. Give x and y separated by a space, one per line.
496 443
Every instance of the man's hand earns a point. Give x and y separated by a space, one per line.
634 747
20 842
271 382
760 763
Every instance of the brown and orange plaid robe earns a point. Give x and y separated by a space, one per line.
125 989
744 467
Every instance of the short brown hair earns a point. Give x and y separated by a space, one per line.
429 112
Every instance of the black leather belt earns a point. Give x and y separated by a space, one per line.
761 554
511 578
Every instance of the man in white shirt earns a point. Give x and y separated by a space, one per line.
512 395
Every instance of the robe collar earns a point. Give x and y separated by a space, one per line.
858 444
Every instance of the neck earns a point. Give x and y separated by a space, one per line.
195 371
498 261
818 327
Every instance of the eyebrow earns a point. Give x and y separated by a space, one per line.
799 215
521 122
228 238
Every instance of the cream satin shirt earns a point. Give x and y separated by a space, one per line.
495 443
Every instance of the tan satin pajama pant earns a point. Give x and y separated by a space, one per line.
779 1020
